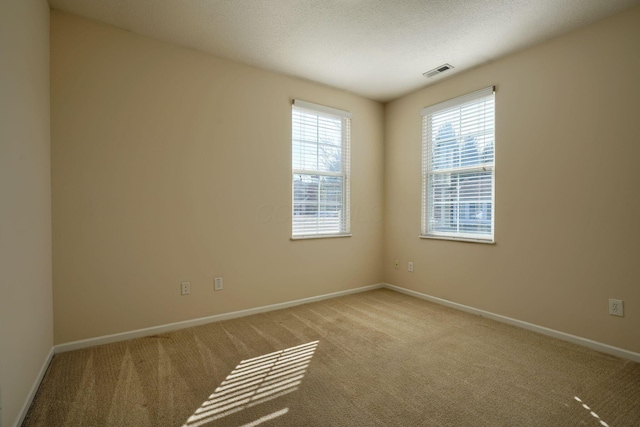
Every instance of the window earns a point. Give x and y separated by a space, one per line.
320 170
458 168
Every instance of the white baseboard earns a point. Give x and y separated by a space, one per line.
138 333
594 345
34 388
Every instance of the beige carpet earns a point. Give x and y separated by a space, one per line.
378 358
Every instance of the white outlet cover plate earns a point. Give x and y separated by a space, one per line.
616 307
185 288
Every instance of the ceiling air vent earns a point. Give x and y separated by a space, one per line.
438 70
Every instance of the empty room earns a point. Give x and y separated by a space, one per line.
322 213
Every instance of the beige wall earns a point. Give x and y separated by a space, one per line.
25 201
157 180
171 165
567 176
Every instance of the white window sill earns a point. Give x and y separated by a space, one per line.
459 239
320 236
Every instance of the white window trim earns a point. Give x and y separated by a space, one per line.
454 236
345 173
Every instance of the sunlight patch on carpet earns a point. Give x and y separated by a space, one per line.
254 381
267 418
593 414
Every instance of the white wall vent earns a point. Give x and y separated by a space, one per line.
438 70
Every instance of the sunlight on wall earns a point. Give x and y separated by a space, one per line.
256 381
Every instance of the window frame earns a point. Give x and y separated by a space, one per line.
344 223
427 203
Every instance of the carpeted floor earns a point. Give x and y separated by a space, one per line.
378 358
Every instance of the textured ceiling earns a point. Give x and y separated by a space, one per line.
375 48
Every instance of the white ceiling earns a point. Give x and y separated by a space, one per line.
375 48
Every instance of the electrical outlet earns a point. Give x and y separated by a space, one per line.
616 307
410 266
185 288
218 284
396 264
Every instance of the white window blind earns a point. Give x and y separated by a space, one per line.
320 170
458 168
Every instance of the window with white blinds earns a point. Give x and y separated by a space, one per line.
320 170
458 168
